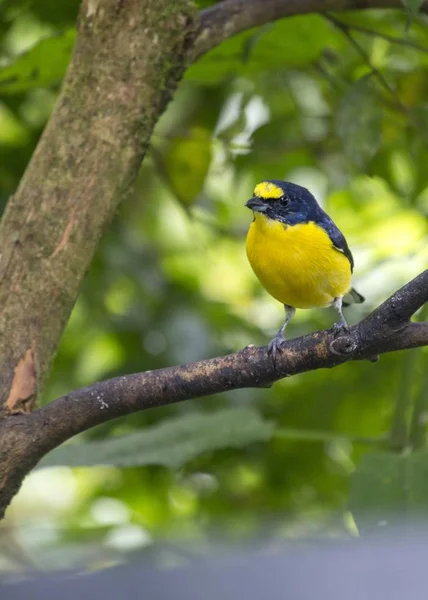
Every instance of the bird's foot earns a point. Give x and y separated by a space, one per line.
341 327
276 344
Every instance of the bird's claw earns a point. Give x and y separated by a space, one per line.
275 345
340 327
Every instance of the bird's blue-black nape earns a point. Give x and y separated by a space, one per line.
297 205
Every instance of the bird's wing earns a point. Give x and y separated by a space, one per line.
337 238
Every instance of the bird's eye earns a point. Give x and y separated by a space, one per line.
284 199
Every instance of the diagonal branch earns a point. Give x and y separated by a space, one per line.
392 39
346 30
386 329
26 438
399 308
230 17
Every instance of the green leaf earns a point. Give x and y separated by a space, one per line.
43 65
387 486
289 42
172 443
412 7
186 163
359 122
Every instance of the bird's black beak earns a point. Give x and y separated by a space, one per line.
257 205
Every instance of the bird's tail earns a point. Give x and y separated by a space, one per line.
352 297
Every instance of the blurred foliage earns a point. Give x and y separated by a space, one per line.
339 105
413 6
389 486
173 443
43 65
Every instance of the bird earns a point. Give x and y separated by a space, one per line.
298 254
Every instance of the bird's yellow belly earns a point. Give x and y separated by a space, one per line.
297 264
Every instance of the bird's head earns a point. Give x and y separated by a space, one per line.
282 201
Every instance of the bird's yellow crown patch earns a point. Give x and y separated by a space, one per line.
268 191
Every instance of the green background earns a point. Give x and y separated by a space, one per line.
341 110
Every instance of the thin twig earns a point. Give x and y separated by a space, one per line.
379 34
345 29
396 102
335 83
228 18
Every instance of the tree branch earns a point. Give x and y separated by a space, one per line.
392 39
386 329
230 17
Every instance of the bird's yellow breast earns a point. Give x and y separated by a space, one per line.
297 264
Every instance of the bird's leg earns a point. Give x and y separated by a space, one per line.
341 324
279 338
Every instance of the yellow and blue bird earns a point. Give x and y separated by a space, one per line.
298 254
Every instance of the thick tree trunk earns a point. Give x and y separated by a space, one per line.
127 61
128 58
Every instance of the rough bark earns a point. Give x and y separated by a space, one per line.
26 438
128 58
